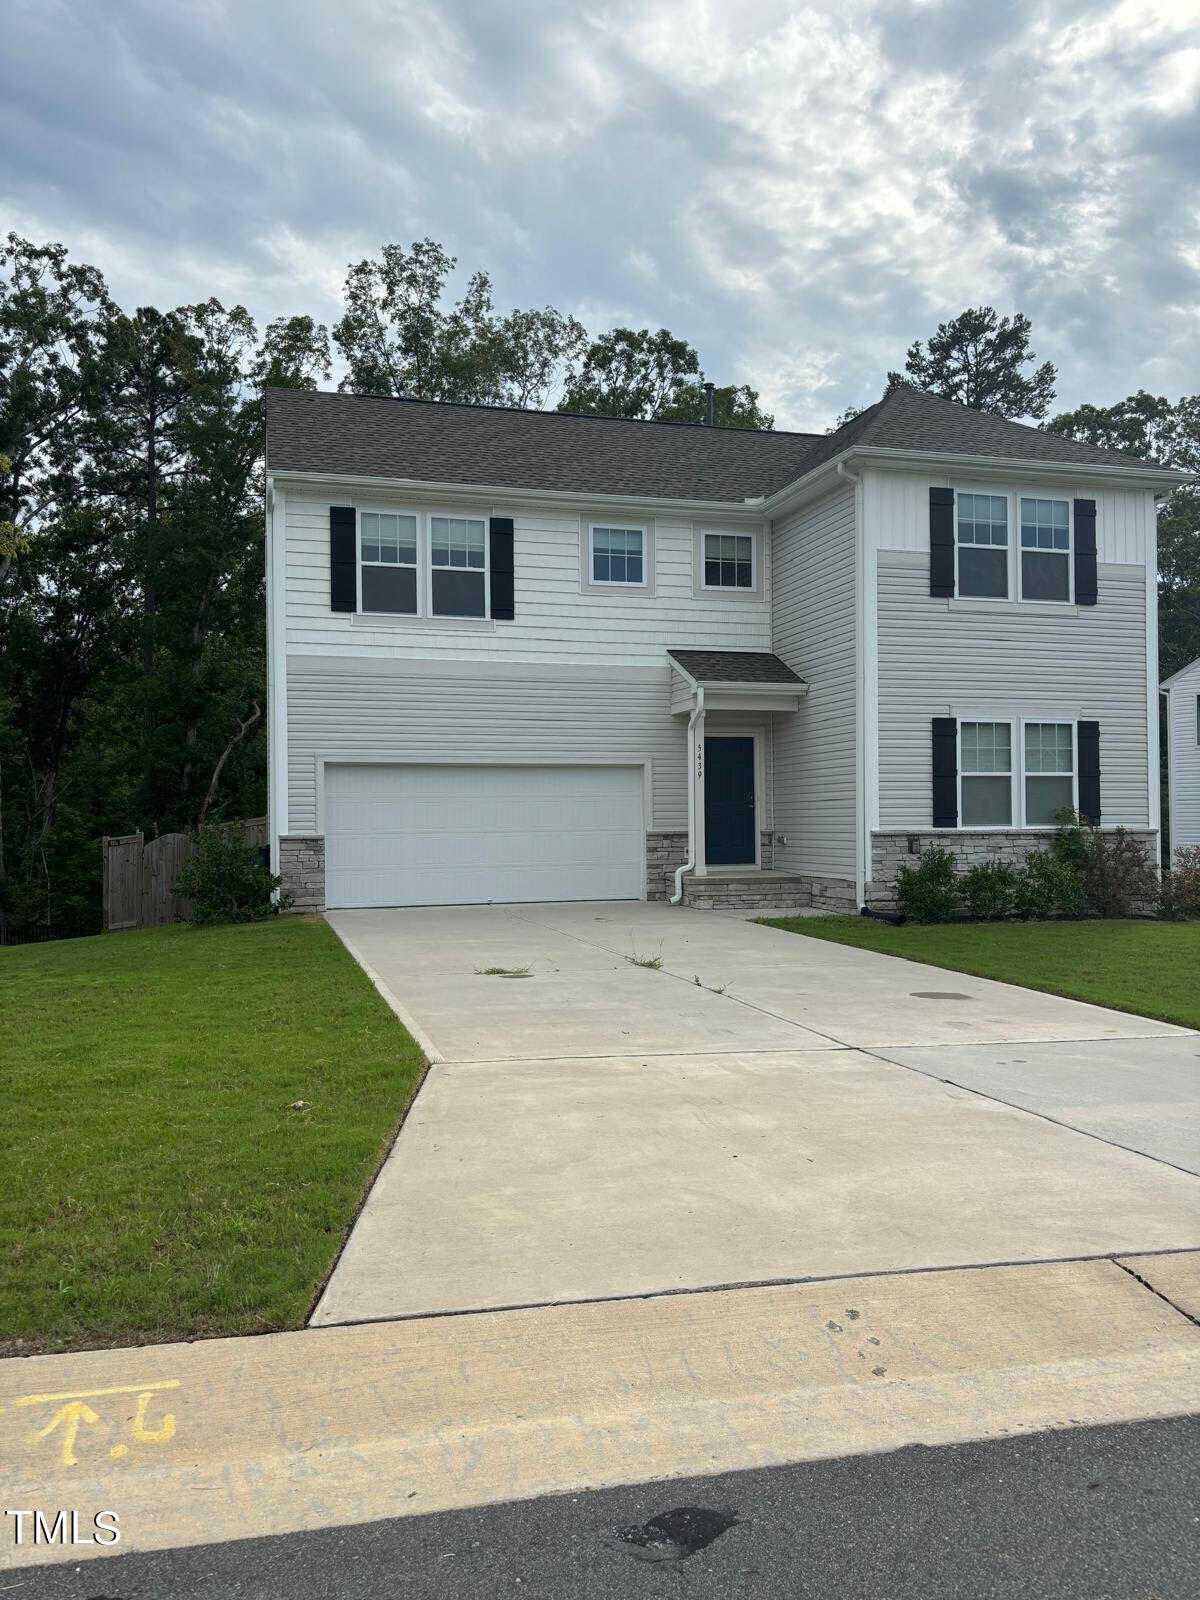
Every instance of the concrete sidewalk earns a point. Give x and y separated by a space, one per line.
745 1128
221 1439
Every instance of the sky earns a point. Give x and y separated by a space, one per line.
799 191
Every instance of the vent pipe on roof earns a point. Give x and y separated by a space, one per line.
708 404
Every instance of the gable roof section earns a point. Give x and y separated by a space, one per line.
734 666
910 419
1191 670
376 436
357 435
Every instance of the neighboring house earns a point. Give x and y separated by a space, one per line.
1183 755
520 656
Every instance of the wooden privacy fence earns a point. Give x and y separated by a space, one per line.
139 872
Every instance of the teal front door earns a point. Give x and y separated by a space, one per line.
729 802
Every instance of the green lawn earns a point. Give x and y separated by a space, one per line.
1152 968
191 1119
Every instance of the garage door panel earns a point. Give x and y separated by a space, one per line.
461 835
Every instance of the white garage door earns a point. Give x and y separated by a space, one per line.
400 835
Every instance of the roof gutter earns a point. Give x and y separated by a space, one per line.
509 494
1162 479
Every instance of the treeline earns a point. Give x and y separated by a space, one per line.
132 628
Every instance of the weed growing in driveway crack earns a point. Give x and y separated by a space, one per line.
653 962
502 972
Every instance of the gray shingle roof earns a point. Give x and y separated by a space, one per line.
734 666
356 435
910 419
376 436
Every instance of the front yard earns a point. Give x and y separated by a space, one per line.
191 1119
1151 968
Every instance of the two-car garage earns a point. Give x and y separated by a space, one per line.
409 833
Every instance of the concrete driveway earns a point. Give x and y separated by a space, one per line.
755 1106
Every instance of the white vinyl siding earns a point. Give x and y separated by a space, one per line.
415 834
1044 664
436 711
559 618
814 750
1184 714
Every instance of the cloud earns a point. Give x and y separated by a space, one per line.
798 190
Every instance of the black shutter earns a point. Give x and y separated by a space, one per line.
500 555
1087 738
945 772
941 543
343 559
1085 553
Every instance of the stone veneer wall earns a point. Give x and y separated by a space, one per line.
665 854
969 849
302 868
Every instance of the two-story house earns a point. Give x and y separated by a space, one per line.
525 656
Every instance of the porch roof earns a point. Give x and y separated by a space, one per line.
735 680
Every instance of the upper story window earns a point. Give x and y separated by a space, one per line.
388 546
983 545
618 555
1049 771
728 561
458 563
985 774
411 564
1045 549
988 565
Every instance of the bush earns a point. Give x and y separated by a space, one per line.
1118 876
224 880
929 892
987 890
1048 885
1181 883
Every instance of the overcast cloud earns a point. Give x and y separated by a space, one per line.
799 191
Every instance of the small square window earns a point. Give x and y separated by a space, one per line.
619 555
728 561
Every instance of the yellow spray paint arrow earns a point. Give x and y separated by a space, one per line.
68 1417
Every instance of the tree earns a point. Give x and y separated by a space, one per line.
1150 427
655 377
977 359
535 352
51 313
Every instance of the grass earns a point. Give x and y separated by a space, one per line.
191 1119
1146 967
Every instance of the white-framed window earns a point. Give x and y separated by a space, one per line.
1049 771
617 554
1045 548
981 543
388 546
985 774
457 566
729 561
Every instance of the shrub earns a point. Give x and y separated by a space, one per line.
1047 884
224 879
1181 883
929 892
987 890
1118 878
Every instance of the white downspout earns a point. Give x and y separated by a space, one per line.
863 845
690 863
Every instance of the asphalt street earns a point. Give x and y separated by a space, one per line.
1109 1513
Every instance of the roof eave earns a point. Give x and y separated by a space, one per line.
508 494
1160 479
